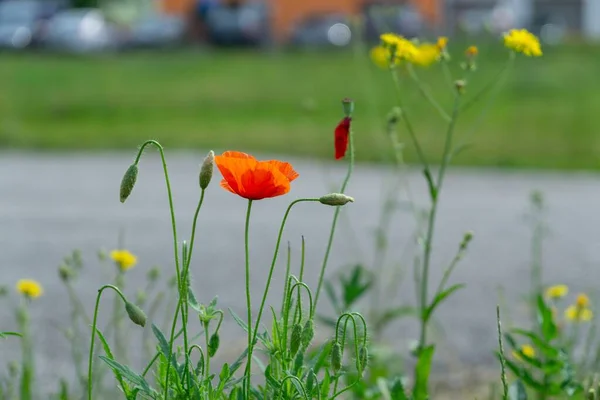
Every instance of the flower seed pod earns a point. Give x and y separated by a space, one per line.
348 105
206 171
136 315
213 344
311 380
128 182
296 338
363 357
336 356
335 199
308 333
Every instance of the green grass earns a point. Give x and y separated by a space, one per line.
547 114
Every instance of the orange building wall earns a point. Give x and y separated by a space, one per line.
286 12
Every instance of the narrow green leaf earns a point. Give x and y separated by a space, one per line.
393 314
110 355
517 391
523 374
164 347
299 388
192 301
441 296
398 392
325 385
546 320
422 370
547 349
136 379
3 335
244 326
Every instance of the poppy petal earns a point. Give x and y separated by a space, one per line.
285 168
237 154
341 134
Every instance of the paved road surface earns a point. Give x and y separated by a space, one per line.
51 204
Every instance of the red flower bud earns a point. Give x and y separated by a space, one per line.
342 132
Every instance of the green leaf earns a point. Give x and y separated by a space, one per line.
299 388
272 381
523 374
237 363
392 314
244 326
137 380
213 302
547 349
109 355
356 285
192 301
422 371
441 296
164 347
397 391
3 335
546 320
517 391
325 385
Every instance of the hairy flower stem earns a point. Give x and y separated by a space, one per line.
335 218
268 284
175 250
248 300
94 323
431 223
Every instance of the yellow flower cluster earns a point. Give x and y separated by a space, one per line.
395 49
30 288
523 41
580 311
124 259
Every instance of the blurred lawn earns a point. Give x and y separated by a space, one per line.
547 115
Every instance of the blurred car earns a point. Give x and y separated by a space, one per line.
322 31
385 16
22 22
155 30
80 31
238 24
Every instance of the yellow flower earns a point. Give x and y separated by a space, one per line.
557 291
124 259
523 41
442 42
389 39
426 54
30 288
400 47
472 51
381 56
527 350
578 314
582 300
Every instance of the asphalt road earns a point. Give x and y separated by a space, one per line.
51 204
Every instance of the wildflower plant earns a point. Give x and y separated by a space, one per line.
292 369
402 57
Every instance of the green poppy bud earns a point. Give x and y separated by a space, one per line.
296 338
336 356
311 380
348 105
335 199
308 333
136 315
206 171
363 357
128 182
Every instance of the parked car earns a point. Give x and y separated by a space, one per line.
322 31
385 16
81 31
22 22
155 30
238 24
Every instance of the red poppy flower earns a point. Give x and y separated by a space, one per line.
252 179
342 132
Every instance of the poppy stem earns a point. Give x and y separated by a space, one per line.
94 323
248 300
335 217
